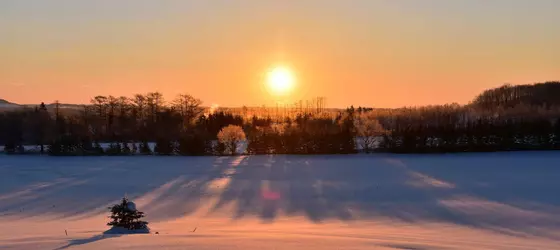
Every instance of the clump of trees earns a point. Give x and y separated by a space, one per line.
306 134
523 117
508 96
144 124
453 128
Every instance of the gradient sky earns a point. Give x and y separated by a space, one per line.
381 53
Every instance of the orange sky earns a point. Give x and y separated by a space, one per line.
362 52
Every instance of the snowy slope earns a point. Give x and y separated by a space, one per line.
467 201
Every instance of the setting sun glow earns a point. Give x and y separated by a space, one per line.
280 80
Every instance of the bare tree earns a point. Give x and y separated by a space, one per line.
188 107
86 116
123 104
112 105
154 102
100 103
139 102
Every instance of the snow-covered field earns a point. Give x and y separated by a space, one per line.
466 201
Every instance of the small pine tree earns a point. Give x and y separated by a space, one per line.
125 215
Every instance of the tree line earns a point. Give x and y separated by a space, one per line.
503 119
127 125
453 128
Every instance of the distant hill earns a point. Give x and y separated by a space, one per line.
65 105
6 104
539 94
2 101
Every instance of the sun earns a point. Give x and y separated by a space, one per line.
280 80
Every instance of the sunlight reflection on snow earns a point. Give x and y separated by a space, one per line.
267 194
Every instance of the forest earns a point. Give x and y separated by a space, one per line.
507 118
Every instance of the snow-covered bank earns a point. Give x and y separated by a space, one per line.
470 201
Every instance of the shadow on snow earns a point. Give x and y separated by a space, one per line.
508 193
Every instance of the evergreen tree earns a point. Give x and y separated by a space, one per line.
125 215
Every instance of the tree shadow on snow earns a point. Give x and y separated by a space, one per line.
511 194
79 187
77 242
496 194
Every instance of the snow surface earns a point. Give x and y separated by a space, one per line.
122 230
465 201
